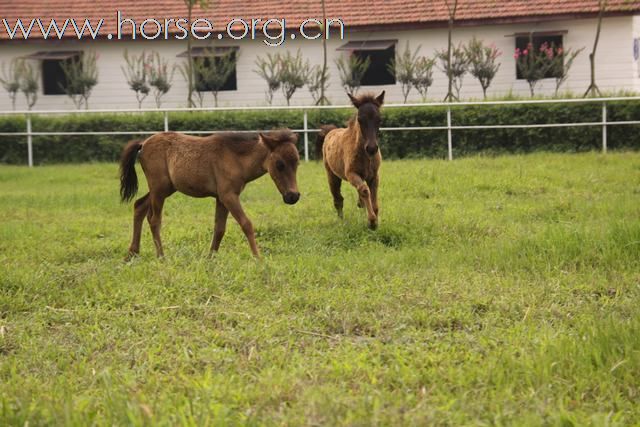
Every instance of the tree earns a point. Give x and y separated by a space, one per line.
29 85
454 63
294 73
403 67
10 80
482 62
534 64
159 77
352 70
323 81
136 73
189 66
213 71
561 64
81 75
269 69
593 89
423 76
451 10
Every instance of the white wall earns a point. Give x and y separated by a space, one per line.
615 66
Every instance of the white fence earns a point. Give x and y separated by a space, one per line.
604 123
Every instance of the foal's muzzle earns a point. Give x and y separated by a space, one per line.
291 198
372 150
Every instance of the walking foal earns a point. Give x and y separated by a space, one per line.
214 166
352 154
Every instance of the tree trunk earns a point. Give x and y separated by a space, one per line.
323 99
452 15
593 87
189 62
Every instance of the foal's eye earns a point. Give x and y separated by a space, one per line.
280 165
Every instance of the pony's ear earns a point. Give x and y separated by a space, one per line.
354 100
268 141
380 98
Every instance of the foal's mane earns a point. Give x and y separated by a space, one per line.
245 142
238 142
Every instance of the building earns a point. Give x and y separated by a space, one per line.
376 28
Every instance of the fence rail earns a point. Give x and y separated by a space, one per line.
449 127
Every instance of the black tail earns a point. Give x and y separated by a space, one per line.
128 177
324 130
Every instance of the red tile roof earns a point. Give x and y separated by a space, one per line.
354 13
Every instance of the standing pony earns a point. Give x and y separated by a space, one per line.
214 166
352 154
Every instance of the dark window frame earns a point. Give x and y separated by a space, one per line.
54 81
378 73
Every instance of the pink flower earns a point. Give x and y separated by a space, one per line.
515 55
559 51
525 52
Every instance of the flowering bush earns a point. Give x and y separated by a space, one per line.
81 74
482 62
136 72
458 67
423 75
159 77
533 64
547 61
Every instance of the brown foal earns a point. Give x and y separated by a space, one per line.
216 166
352 154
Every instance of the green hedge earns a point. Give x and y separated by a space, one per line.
397 144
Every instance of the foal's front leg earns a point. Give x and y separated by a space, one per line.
232 203
374 184
221 224
365 196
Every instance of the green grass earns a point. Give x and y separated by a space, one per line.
497 291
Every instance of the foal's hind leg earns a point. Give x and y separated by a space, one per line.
222 213
155 221
140 210
334 185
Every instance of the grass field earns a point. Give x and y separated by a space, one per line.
497 291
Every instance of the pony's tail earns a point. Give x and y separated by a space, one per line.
128 177
324 130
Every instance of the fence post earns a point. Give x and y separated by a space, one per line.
166 121
604 128
449 137
306 137
29 141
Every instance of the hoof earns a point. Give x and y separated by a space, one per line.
340 214
130 256
373 225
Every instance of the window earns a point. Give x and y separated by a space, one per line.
538 39
213 53
381 54
54 81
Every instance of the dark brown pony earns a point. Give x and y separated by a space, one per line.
352 154
214 166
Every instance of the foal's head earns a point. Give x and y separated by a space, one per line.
282 162
369 119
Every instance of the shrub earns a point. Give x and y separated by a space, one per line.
56 149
